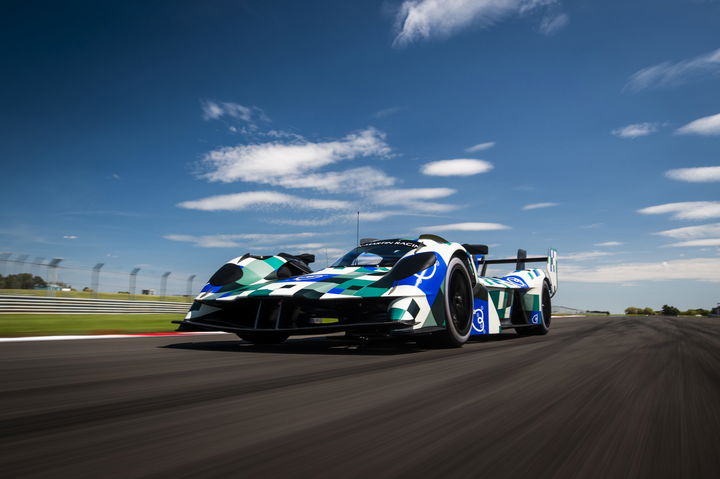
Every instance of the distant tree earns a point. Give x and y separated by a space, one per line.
21 281
87 290
632 310
648 311
670 310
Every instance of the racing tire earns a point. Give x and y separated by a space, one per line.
546 308
264 337
458 305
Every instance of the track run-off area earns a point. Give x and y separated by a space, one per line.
602 397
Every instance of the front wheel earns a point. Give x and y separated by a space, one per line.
458 304
264 337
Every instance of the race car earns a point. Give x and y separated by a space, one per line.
427 288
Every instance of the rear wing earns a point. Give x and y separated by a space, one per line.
522 259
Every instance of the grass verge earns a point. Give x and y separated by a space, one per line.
85 294
13 325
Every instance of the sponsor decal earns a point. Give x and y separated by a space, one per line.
479 325
307 277
409 244
516 280
425 274
535 318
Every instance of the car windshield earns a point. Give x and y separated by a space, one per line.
376 253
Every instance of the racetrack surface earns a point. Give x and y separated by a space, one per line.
596 397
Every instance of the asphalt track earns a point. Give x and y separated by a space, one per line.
597 397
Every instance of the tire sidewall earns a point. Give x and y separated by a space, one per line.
545 326
455 337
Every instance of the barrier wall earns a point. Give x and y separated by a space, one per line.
51 305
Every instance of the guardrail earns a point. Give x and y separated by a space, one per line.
49 305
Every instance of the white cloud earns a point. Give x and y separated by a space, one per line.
283 134
343 218
702 174
354 180
260 200
464 227
424 19
211 241
700 269
414 199
234 240
692 232
609 243
70 237
303 246
458 167
377 215
387 112
308 221
635 130
583 255
535 206
687 210
706 126
551 24
668 74
480 147
288 163
215 110
400 195
697 242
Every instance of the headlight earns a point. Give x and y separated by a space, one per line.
412 265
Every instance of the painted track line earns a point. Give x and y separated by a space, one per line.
101 336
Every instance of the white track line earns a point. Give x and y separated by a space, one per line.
101 336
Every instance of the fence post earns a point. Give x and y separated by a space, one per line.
163 284
3 262
96 278
52 267
189 286
133 278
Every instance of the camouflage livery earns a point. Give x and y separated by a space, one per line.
279 295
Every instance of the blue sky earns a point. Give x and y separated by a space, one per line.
176 135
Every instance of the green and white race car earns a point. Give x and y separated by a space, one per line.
426 287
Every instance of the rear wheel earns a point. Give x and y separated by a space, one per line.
458 304
264 337
546 308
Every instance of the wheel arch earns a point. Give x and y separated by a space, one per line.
465 258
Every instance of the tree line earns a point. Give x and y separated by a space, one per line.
666 310
21 281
